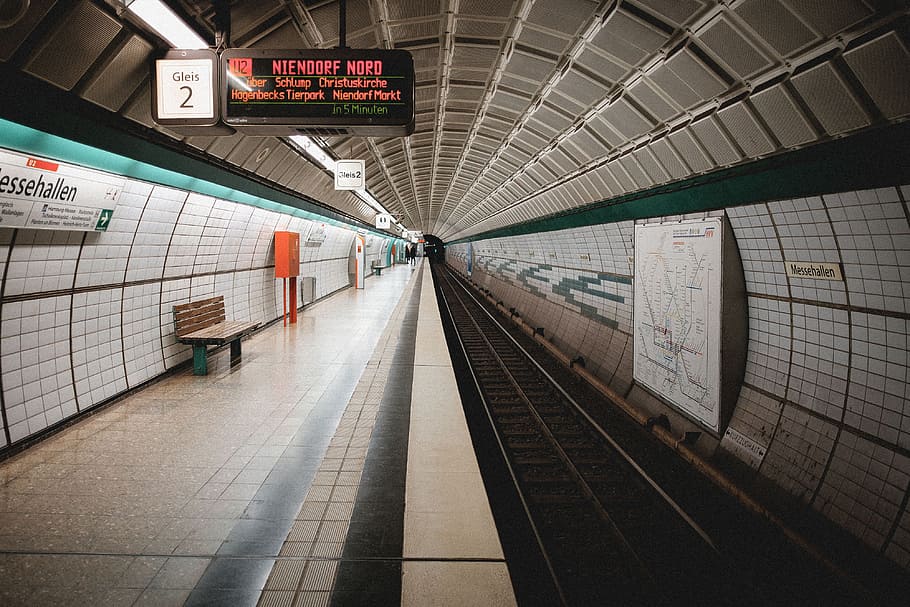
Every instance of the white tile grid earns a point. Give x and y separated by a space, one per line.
153 234
864 488
278 291
249 233
97 348
768 358
621 312
299 225
173 292
620 236
820 359
874 238
806 236
339 240
181 255
569 331
104 255
141 333
797 456
223 284
6 237
309 253
213 237
898 549
202 287
42 260
263 296
603 350
879 398
759 250
332 274
263 254
240 296
37 375
329 274
283 223
622 376
12 340
756 415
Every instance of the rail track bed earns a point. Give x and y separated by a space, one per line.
615 517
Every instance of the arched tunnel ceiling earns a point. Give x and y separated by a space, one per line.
526 108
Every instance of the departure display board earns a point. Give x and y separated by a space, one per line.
357 91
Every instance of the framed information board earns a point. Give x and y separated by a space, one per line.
677 310
352 91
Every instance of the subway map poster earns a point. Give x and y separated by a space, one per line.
677 315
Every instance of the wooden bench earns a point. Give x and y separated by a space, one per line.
377 267
202 323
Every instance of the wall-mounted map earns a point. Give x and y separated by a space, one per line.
677 315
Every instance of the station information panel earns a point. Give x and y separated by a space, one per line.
359 91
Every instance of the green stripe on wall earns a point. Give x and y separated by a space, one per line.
871 159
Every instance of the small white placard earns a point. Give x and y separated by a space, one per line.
383 221
743 447
810 270
185 89
350 174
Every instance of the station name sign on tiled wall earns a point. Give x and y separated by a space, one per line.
818 271
47 195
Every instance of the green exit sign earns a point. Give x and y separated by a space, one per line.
104 220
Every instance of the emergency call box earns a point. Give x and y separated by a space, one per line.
287 254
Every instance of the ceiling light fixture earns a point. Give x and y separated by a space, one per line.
159 17
314 151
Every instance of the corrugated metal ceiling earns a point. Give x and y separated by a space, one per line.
526 107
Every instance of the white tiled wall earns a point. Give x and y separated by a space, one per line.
827 381
87 316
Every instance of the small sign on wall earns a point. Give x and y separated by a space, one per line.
816 271
383 221
350 174
743 447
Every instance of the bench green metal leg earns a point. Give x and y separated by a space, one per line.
199 364
235 349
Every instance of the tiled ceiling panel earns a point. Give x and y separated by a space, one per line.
781 113
565 16
780 27
72 47
883 68
830 99
737 52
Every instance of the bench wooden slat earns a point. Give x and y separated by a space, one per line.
193 305
190 325
196 315
219 333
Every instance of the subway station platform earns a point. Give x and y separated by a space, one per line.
331 466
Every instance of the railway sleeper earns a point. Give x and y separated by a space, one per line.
517 429
536 476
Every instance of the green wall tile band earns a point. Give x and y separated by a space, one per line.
871 159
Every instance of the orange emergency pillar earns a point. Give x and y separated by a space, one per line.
287 265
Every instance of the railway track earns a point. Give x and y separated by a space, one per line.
609 533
